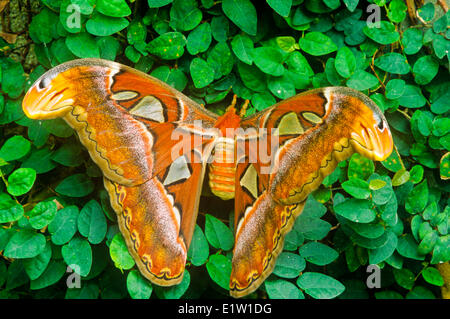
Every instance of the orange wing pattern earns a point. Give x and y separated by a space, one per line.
315 130
127 120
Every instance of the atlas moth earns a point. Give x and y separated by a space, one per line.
127 119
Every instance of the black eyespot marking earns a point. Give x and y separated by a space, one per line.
381 125
44 83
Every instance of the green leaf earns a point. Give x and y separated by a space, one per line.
92 222
68 155
174 77
20 181
12 78
428 243
269 60
88 291
202 73
289 265
25 244
317 43
395 89
293 240
16 275
242 47
86 6
220 28
77 185
12 112
282 7
417 199
433 276
369 230
242 13
252 77
113 8
444 166
70 18
412 41
52 274
64 226
168 46
357 187
262 100
40 161
282 289
78 255
58 127
42 214
175 292
351 4
218 234
393 62
426 12
138 287
420 292
441 251
37 133
136 33
309 223
397 11
219 269
362 80
425 69
108 46
407 247
287 44
83 45
440 46
119 253
320 286
199 39
404 278
10 210
42 26
185 15
102 25
220 59
318 253
199 249
158 3
400 177
416 174
34 267
384 34
440 25
356 210
412 97
383 252
282 87
345 62
14 148
388 294
301 17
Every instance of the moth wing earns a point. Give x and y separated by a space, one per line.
142 134
128 120
302 138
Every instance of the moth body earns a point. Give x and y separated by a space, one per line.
222 170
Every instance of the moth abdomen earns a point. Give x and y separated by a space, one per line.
222 169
